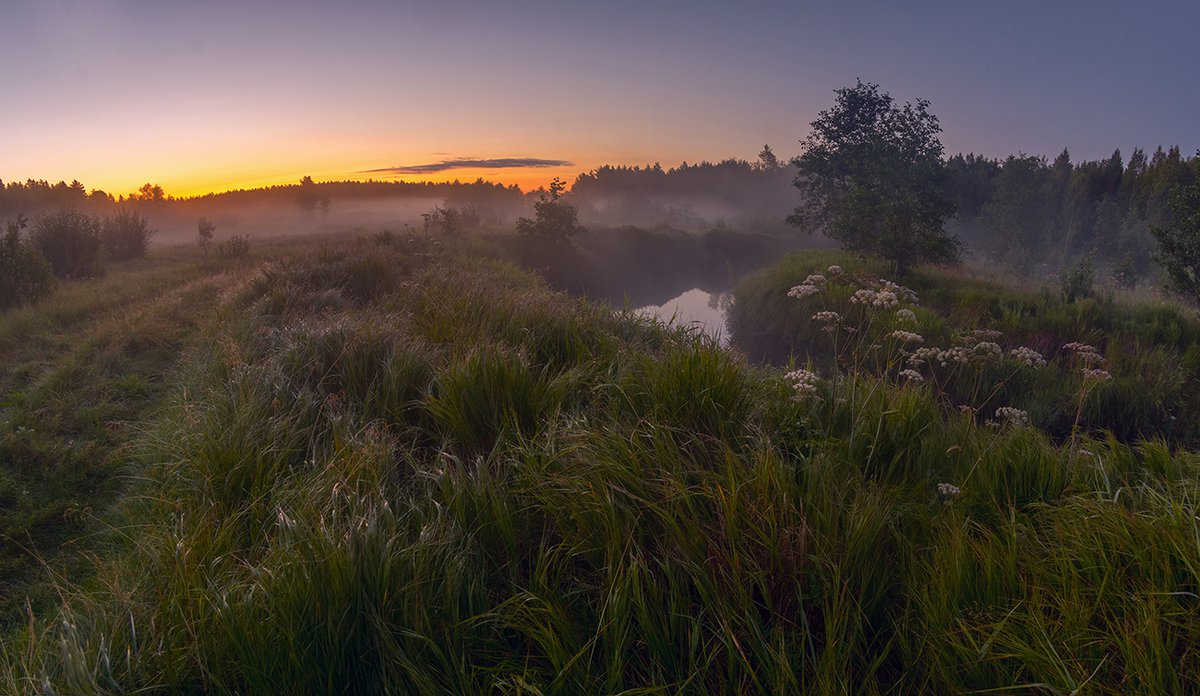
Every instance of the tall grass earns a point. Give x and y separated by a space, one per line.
461 482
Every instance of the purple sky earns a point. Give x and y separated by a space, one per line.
203 95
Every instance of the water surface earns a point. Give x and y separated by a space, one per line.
694 308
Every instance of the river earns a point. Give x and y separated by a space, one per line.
694 308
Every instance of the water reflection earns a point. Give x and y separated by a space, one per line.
695 307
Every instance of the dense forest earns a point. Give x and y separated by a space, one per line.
1035 216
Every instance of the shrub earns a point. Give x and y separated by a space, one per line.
25 275
70 241
126 234
204 233
236 247
1077 281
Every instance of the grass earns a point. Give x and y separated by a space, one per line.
387 471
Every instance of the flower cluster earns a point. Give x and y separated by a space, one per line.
1012 417
1028 357
986 350
1086 354
875 298
906 336
803 290
912 375
831 320
949 490
906 316
834 271
804 382
1096 374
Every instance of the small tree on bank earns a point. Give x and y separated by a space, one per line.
1179 243
870 178
555 220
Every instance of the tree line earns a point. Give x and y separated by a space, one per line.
1031 214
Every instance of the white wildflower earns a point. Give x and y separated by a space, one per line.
885 299
827 317
957 354
864 296
912 375
834 270
948 490
1012 417
906 336
803 291
1028 357
804 382
1086 354
1096 374
902 293
921 355
906 316
815 279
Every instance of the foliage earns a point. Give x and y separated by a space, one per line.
1035 217
236 247
450 221
1179 242
870 177
1077 282
555 220
126 234
70 240
25 275
204 233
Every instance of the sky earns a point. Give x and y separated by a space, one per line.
211 95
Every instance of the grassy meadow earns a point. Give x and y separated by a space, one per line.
377 467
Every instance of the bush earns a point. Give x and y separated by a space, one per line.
25 275
70 241
236 247
126 234
1077 281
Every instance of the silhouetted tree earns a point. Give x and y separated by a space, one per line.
871 176
149 193
554 220
767 161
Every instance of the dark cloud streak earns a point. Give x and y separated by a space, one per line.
467 163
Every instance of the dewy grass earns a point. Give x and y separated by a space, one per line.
443 478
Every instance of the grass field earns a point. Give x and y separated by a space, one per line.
367 469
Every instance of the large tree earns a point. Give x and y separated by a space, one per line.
1179 242
871 174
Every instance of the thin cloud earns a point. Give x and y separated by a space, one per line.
467 163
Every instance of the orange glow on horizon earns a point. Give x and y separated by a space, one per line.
196 186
